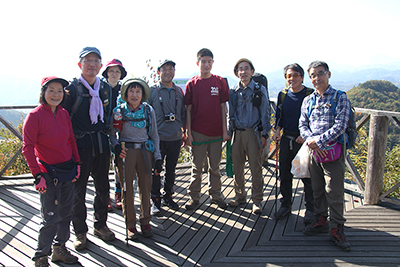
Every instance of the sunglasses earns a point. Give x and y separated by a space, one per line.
294 75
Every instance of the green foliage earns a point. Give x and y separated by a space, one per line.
10 144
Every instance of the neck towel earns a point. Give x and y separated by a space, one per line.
96 106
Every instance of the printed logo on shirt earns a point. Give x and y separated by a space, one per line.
214 91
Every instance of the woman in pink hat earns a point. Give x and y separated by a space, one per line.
50 150
114 73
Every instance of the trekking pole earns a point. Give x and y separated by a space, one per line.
124 200
276 172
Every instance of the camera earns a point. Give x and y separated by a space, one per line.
169 117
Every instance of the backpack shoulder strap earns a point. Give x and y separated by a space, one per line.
79 96
311 105
334 101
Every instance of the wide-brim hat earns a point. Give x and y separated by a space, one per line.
115 62
127 82
235 70
47 80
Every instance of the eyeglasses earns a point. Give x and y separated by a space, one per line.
247 68
294 75
319 75
92 61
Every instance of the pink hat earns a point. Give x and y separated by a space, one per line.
49 79
114 62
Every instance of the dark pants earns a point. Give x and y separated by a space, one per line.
98 167
288 150
55 218
170 152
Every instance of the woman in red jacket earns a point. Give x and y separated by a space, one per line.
50 150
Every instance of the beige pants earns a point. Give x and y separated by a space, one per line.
200 153
246 144
135 165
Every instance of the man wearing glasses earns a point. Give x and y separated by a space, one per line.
321 127
249 126
88 100
168 101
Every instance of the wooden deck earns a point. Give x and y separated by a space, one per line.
209 236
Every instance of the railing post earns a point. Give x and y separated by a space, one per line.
376 158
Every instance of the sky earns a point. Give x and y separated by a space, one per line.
43 38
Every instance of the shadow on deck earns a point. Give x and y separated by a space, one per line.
210 236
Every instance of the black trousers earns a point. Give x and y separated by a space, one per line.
98 167
288 150
170 152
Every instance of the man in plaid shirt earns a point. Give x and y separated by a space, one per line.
320 128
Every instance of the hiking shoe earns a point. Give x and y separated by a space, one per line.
168 201
220 202
146 230
283 212
308 217
104 233
318 225
42 262
109 205
192 204
61 253
80 241
118 200
236 202
154 209
257 208
133 234
337 235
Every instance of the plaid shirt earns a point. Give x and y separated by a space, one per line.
322 126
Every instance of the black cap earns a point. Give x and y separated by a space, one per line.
167 61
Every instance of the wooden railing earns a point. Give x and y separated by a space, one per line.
372 188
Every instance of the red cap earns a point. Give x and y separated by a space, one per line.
49 79
114 62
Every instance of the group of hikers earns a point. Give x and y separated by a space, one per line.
81 127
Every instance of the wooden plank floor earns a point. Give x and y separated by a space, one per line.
209 236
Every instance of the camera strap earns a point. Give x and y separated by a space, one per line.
161 100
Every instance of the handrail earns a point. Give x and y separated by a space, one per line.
373 186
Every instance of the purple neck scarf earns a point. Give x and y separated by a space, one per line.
96 106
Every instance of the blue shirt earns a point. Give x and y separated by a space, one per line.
322 125
244 113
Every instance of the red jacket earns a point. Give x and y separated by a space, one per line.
48 137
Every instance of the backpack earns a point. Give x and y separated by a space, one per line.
123 108
104 93
351 132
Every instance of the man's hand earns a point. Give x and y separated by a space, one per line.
313 145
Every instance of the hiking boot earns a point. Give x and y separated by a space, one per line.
104 233
61 253
109 205
168 201
156 206
42 262
192 204
146 230
308 217
337 235
133 234
257 208
220 202
236 202
118 200
282 212
318 225
80 241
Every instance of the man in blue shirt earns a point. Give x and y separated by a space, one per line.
249 126
287 120
320 127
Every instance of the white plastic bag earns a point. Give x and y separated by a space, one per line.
301 163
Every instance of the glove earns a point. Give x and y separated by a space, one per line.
78 170
40 183
158 166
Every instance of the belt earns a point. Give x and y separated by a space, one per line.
134 145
